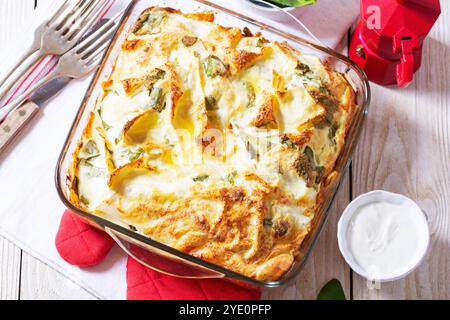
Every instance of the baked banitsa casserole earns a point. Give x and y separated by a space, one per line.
214 141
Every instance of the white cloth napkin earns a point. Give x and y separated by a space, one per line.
30 210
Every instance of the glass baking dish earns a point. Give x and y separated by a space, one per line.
168 260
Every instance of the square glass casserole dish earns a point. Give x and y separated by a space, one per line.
161 257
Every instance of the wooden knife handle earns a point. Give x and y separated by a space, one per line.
15 122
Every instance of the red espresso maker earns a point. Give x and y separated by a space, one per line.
387 43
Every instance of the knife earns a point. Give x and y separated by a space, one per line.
20 117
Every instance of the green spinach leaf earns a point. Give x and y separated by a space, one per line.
332 291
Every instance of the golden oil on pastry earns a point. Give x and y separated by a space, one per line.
213 141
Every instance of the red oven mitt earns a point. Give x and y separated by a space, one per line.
85 246
81 244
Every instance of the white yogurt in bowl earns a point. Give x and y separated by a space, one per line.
383 236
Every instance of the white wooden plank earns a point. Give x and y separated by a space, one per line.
13 14
406 149
40 282
9 270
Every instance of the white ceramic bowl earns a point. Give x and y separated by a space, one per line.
376 196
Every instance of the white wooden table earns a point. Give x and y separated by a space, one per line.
405 148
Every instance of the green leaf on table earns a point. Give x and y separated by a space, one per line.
332 291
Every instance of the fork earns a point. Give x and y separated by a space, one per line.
76 63
57 35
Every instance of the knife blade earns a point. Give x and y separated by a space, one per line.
48 91
19 118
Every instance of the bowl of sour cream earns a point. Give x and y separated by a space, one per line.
383 236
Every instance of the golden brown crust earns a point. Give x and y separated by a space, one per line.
131 85
242 59
266 114
132 45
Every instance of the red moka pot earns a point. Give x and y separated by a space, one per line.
387 43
